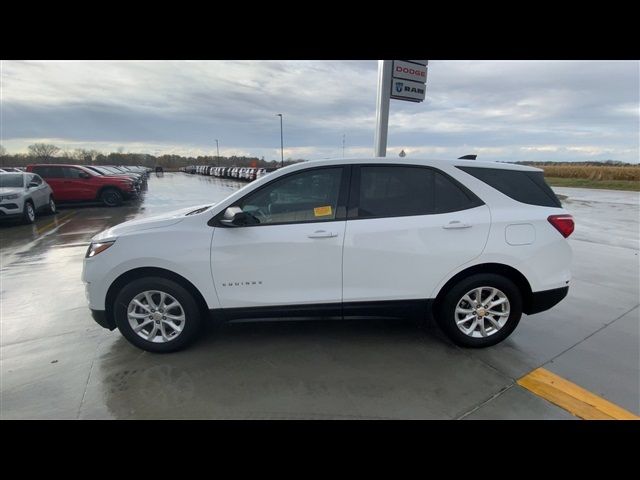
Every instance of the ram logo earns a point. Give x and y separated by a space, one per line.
399 86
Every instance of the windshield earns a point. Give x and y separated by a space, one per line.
11 180
94 169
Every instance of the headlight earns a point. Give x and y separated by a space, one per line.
96 248
10 197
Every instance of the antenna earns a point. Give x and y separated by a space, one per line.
343 137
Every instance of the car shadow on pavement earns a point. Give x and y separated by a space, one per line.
290 369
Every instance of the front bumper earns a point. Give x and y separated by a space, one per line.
541 301
11 208
131 194
100 316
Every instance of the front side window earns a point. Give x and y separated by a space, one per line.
398 191
308 196
74 173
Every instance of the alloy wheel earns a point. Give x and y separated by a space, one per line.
482 312
31 212
156 316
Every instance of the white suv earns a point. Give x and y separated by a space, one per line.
476 244
24 194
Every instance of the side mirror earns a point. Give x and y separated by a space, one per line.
235 217
84 175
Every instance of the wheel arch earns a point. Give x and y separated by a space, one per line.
136 273
496 268
108 187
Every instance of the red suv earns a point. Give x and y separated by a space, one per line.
74 183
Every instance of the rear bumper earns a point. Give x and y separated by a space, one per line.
100 316
541 301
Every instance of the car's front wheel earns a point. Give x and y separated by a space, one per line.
157 314
28 213
111 197
480 311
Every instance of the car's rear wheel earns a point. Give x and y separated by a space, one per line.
480 311
111 197
28 212
157 314
51 207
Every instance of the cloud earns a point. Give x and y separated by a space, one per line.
502 110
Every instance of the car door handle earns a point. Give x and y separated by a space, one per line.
456 224
322 234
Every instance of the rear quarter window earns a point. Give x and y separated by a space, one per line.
522 186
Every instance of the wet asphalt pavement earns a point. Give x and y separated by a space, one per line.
55 362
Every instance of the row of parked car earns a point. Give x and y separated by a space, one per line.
248 174
38 187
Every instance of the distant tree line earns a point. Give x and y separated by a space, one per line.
613 163
47 153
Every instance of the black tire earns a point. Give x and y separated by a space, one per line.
192 322
51 208
445 314
28 213
111 197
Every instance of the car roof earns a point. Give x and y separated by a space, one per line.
55 165
421 161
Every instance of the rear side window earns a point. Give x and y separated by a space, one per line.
49 172
522 186
398 191
450 197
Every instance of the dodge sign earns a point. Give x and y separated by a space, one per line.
409 71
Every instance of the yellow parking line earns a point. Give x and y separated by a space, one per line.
55 222
572 397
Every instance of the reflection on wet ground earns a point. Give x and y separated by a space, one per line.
57 363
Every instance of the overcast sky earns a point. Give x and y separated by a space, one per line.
501 110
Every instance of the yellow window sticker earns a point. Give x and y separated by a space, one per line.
322 211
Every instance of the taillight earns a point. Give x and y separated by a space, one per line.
563 223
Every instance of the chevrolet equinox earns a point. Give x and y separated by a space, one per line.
471 244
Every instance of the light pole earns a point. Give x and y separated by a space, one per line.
281 142
385 72
218 153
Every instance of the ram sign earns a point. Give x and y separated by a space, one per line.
408 80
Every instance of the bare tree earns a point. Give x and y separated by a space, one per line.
3 151
44 152
83 155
